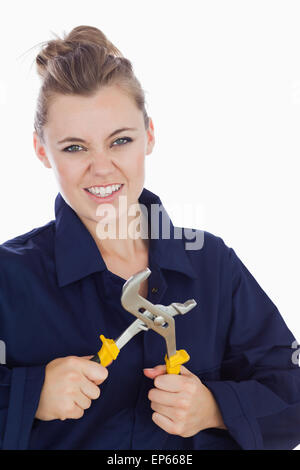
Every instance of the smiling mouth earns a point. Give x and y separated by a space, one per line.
103 192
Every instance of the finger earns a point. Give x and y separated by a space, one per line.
167 411
94 371
163 422
185 371
93 355
166 398
90 389
170 382
75 413
155 371
82 400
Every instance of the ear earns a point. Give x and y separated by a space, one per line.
40 151
150 137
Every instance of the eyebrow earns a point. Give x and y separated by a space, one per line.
78 139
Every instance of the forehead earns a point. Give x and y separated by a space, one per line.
110 107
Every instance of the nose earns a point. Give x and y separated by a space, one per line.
102 164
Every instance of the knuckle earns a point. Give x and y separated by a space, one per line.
72 376
183 403
101 375
76 412
54 363
79 414
69 391
96 393
191 388
152 404
66 413
179 414
155 417
88 404
70 410
72 361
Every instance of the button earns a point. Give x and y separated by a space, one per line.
154 290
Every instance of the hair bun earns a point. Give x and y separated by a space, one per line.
91 35
79 37
81 63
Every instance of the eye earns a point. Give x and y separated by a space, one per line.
128 139
67 149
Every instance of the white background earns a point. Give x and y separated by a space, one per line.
222 82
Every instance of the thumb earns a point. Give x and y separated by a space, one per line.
185 371
155 371
93 371
90 357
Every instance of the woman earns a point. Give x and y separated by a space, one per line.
61 286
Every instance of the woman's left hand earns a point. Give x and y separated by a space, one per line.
182 405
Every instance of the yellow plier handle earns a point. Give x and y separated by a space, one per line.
108 352
174 362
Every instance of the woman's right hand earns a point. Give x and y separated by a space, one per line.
70 384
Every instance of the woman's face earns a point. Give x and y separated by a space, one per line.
96 152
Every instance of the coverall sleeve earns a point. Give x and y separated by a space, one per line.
259 391
20 389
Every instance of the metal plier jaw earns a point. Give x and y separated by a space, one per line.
111 348
160 319
156 317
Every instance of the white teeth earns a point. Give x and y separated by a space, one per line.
103 192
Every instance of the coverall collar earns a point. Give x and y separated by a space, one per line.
77 255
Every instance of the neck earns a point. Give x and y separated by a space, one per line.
114 242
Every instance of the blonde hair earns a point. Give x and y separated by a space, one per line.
81 63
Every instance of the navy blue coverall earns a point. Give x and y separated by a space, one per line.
57 296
